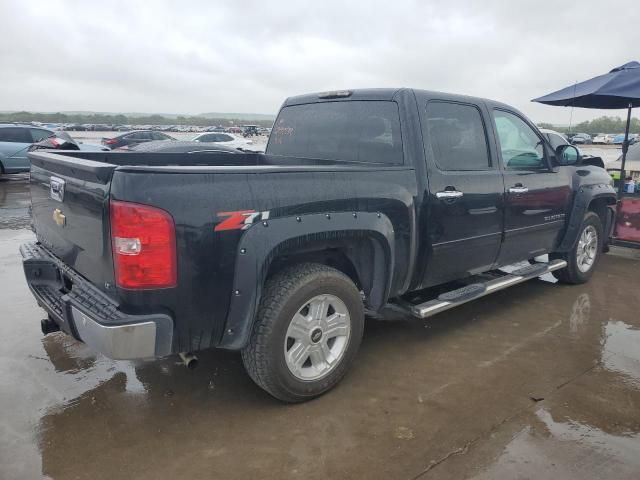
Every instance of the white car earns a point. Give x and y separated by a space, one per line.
604 138
555 138
225 139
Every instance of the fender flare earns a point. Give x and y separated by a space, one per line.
583 198
260 245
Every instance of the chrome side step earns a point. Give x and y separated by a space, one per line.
448 300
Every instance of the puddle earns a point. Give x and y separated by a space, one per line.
551 449
621 350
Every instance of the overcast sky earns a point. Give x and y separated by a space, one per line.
247 56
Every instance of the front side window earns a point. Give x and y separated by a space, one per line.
520 146
159 136
350 131
457 136
38 134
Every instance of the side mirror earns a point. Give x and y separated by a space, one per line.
567 155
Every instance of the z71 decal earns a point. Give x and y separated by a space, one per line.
239 220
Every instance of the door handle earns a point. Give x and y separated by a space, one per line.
449 194
518 189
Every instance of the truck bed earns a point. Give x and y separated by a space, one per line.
198 190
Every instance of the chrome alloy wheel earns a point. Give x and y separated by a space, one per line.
317 337
587 248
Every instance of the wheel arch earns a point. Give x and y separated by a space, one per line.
596 198
359 244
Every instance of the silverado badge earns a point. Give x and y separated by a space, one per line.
59 217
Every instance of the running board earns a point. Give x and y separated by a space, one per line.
477 290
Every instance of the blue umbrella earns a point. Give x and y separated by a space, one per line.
620 88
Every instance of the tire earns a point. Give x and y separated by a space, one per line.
578 272
286 329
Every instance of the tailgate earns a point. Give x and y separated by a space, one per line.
69 198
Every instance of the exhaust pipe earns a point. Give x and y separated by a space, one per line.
48 326
189 360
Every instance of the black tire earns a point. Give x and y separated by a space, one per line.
284 295
572 273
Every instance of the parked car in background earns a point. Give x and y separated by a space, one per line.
249 130
224 139
618 139
15 141
135 137
61 140
581 138
604 138
182 147
555 138
76 127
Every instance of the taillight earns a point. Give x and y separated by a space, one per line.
109 141
144 246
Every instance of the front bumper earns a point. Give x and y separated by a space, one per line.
83 311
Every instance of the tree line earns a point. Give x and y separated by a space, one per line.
603 124
119 119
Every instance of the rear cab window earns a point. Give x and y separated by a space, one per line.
366 131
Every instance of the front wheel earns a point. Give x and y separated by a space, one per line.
585 254
307 332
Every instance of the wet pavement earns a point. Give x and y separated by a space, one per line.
537 381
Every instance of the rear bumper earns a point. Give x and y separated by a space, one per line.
85 312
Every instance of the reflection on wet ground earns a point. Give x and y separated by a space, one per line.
537 381
14 201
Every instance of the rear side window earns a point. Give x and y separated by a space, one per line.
350 131
457 136
15 135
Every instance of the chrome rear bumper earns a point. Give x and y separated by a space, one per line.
89 315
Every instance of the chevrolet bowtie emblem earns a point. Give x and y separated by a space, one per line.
59 217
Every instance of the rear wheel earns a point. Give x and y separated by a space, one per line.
585 254
307 332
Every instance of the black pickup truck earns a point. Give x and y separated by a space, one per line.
361 198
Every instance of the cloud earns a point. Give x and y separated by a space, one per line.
203 56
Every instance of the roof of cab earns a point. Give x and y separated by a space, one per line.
356 94
386 94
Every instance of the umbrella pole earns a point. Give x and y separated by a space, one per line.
625 147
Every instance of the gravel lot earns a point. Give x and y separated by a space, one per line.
538 381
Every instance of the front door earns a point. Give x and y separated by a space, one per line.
537 196
465 192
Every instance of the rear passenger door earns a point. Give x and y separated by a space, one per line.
466 189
